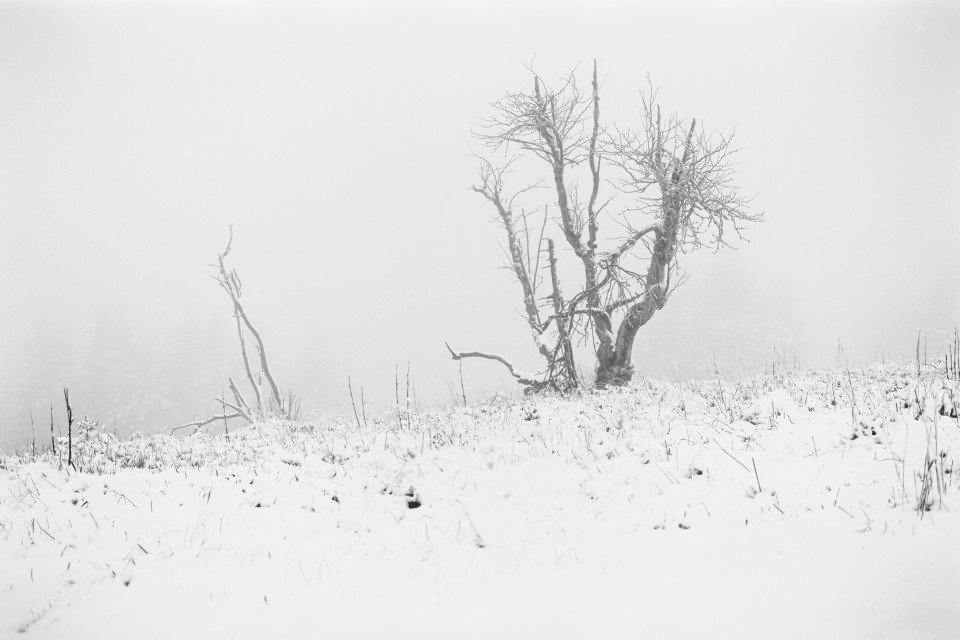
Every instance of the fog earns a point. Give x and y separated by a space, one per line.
336 139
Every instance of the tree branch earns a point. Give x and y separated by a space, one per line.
522 378
568 374
594 165
491 188
201 423
246 361
614 256
240 412
241 401
586 311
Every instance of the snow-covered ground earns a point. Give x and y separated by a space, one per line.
820 504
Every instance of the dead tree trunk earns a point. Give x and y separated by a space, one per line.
275 405
616 367
229 281
565 374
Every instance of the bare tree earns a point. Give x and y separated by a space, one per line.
669 174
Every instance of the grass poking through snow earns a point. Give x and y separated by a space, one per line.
613 513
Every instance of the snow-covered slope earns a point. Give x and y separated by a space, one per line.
781 506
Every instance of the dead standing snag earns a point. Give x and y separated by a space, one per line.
270 405
229 281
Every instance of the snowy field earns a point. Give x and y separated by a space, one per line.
798 504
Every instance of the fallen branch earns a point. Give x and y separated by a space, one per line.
243 414
202 423
522 378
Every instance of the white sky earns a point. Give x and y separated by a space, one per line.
336 139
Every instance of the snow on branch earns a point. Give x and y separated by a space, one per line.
522 378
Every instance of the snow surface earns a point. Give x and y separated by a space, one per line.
781 506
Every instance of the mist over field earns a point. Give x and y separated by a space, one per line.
336 139
492 320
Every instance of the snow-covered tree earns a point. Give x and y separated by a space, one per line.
673 191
